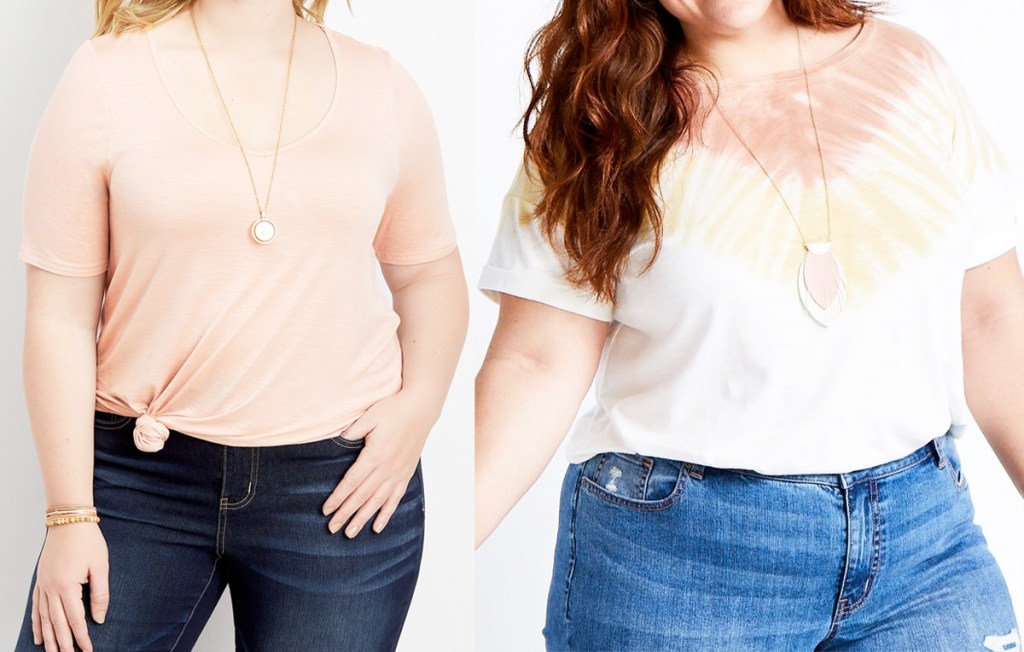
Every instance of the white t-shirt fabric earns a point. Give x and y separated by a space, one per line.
711 357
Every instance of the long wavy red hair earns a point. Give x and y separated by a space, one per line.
610 96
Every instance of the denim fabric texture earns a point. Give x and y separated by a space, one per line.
658 554
185 522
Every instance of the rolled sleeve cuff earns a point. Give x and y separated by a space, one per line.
554 292
993 244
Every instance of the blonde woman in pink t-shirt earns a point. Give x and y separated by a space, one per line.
217 187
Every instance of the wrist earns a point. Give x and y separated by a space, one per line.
57 499
426 404
68 514
71 529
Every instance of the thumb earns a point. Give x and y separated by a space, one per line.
99 593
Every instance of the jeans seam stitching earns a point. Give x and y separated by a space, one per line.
887 473
600 466
668 501
254 473
777 478
840 609
221 512
876 543
350 444
191 613
890 472
572 551
222 526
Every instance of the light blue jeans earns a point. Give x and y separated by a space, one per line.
657 554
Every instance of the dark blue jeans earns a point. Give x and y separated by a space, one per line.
658 554
187 521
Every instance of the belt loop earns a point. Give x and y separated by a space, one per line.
591 468
694 470
938 451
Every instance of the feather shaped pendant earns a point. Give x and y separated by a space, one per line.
821 283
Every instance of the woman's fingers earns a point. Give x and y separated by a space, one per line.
37 630
74 610
61 629
388 509
367 509
49 638
99 592
355 500
350 482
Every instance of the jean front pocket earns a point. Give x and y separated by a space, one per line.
635 481
348 443
110 421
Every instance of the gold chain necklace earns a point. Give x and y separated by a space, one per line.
262 230
820 281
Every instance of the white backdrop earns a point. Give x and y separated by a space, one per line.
980 39
36 40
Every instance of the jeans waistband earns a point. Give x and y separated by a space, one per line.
935 450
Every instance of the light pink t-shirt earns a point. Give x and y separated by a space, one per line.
203 330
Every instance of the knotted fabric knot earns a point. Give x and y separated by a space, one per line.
150 434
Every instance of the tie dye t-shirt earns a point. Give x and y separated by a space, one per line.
711 356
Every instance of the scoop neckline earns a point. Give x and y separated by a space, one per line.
313 131
859 42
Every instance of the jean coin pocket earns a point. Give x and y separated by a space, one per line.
635 481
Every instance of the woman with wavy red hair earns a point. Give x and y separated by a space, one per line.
778 239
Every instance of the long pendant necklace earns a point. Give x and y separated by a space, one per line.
262 230
820 282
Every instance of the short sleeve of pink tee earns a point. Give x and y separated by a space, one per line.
203 330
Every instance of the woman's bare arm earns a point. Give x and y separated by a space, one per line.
431 300
539 366
59 367
993 346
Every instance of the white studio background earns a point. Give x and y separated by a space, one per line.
981 41
36 41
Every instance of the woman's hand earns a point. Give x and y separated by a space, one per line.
431 302
72 555
394 429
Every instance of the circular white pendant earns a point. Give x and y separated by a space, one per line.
263 230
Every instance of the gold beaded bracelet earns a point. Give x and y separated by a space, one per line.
65 514
71 519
